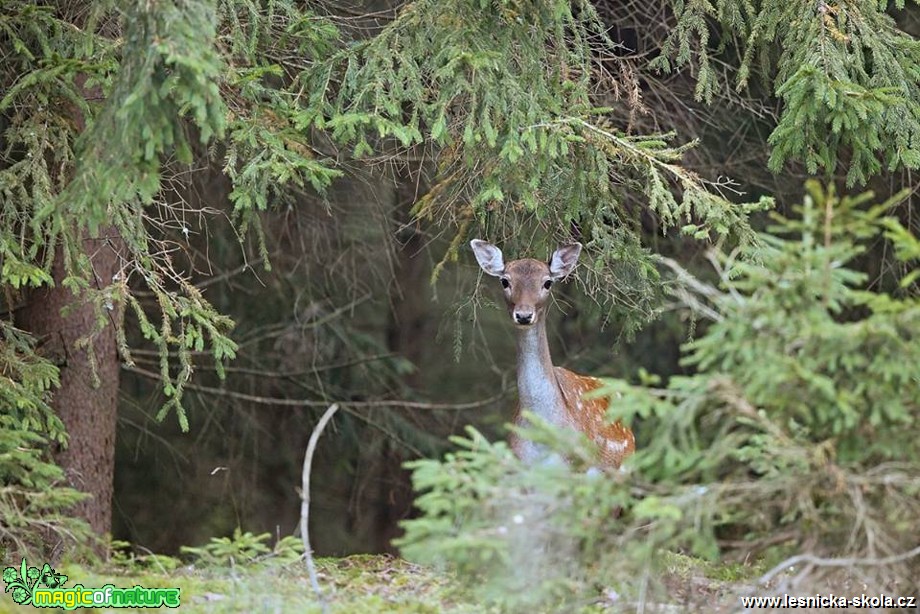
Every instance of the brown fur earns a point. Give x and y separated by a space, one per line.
590 418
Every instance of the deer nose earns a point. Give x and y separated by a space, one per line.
522 317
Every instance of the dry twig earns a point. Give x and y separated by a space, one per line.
305 502
847 562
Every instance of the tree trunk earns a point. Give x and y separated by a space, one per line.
87 400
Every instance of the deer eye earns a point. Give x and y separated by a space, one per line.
547 284
505 283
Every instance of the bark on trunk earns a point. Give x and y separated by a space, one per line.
89 411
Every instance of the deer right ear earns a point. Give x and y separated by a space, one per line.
563 261
489 257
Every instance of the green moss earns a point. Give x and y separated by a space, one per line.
361 583
687 567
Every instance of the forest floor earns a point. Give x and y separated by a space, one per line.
362 583
366 584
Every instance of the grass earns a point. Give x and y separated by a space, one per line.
358 583
361 583
243 573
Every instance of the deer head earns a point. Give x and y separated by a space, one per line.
527 282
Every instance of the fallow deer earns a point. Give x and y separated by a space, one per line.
553 393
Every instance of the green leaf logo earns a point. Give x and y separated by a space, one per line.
51 578
21 582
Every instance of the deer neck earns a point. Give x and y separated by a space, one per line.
536 377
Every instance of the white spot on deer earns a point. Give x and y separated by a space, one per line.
615 446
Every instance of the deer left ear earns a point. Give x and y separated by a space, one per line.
489 257
563 261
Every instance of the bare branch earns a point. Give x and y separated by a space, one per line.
305 502
689 287
811 559
260 400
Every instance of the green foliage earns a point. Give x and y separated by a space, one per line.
368 584
826 355
32 501
807 388
108 109
849 79
247 550
123 557
797 424
168 72
520 536
107 112
90 119
505 104
907 249
270 149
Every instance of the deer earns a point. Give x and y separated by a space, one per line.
552 393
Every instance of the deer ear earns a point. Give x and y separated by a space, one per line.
563 261
489 257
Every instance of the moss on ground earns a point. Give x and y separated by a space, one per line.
360 583
352 584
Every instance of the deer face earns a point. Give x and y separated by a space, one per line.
526 283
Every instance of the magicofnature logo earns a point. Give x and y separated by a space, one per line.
44 588
24 580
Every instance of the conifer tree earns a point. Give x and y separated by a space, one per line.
103 101
110 108
789 447
846 74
